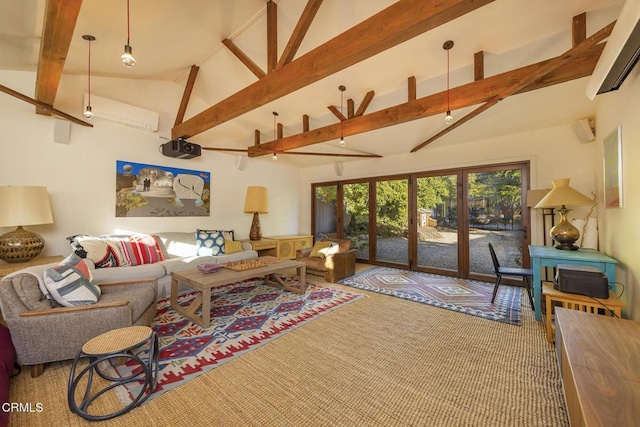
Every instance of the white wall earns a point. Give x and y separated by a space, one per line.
80 176
553 153
620 227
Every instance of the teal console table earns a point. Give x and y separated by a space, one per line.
548 256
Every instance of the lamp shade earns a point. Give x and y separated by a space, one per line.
24 206
563 195
256 200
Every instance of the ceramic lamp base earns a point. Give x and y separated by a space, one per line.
255 233
20 245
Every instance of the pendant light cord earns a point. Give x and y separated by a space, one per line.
448 107
128 26
341 112
89 74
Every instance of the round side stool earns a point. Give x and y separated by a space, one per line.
117 346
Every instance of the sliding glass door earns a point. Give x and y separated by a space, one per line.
356 217
392 221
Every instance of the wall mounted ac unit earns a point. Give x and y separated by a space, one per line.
620 54
125 114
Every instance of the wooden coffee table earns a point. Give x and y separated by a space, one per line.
204 283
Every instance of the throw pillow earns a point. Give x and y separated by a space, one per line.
71 282
332 249
138 249
103 253
210 242
227 234
317 246
28 290
231 247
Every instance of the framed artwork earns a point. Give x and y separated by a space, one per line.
144 190
613 169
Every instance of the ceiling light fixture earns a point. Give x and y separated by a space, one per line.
342 89
447 46
275 154
87 111
127 57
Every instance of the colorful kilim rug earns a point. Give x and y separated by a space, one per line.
244 316
465 296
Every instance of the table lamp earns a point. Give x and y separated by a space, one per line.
256 203
22 206
562 196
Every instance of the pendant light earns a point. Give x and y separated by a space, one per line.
342 89
447 46
127 57
87 111
275 154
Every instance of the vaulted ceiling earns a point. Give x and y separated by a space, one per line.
253 57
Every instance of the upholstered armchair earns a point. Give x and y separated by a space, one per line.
334 263
42 334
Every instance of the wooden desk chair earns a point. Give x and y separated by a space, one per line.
525 273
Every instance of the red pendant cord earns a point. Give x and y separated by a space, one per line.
128 29
341 112
89 74
448 109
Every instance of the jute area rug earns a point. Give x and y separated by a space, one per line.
464 296
378 361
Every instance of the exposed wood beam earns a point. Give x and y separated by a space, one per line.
462 96
44 106
186 95
248 62
272 36
299 153
579 28
411 88
280 130
336 112
534 76
351 106
60 18
478 65
256 137
365 103
392 26
299 32
305 122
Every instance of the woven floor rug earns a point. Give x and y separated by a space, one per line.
465 296
244 316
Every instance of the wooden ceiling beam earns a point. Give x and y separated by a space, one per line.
365 103
308 14
402 21
44 106
478 65
272 36
60 18
411 88
473 93
186 95
248 62
336 112
534 76
579 28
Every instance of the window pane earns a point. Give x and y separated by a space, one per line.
437 222
392 215
356 217
326 220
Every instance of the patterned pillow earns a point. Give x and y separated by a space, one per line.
70 283
210 242
102 252
138 249
318 246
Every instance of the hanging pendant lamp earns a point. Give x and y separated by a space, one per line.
87 111
275 154
127 57
447 46
342 89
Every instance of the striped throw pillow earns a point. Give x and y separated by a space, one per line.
71 283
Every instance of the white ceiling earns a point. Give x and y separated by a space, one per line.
169 36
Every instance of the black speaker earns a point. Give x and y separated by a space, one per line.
181 149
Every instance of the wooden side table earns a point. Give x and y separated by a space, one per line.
264 247
577 302
10 267
288 245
